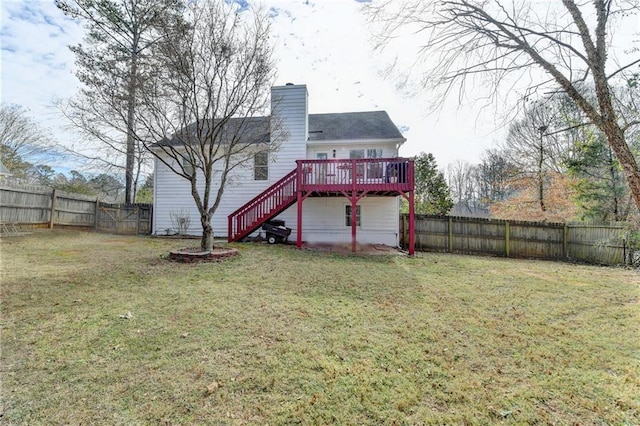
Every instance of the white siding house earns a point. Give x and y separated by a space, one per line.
302 136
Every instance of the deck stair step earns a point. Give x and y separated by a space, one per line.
268 204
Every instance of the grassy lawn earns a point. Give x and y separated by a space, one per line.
101 329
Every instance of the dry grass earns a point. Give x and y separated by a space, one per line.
100 329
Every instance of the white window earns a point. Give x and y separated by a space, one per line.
261 165
374 153
356 153
347 211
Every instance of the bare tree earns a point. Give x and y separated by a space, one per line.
114 65
552 46
203 110
532 146
23 141
462 186
105 145
493 176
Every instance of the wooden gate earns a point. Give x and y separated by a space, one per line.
129 219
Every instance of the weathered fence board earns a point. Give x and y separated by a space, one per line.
601 244
36 206
471 236
24 205
124 219
73 209
539 240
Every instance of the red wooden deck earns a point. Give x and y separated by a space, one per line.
350 178
380 176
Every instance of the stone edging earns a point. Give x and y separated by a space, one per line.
187 255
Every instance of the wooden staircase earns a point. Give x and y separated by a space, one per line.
273 201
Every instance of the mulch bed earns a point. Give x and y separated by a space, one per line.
195 254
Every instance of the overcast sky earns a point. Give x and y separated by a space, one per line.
324 44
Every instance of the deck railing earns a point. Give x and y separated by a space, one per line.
272 201
382 174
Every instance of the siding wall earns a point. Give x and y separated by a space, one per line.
389 150
172 195
323 218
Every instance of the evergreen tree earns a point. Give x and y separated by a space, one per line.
145 194
107 187
600 189
114 64
432 193
43 174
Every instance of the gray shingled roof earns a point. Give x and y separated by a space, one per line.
254 129
374 125
352 126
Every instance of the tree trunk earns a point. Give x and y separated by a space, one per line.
614 186
541 192
131 105
206 242
541 186
616 140
541 171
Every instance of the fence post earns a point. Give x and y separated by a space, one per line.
450 234
137 220
118 217
565 241
507 238
53 208
95 217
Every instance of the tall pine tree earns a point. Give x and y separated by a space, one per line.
113 64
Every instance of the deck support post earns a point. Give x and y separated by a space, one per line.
354 204
412 196
354 221
299 205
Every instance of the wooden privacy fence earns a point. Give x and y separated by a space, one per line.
45 207
124 219
602 244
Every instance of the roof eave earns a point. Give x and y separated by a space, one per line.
356 141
